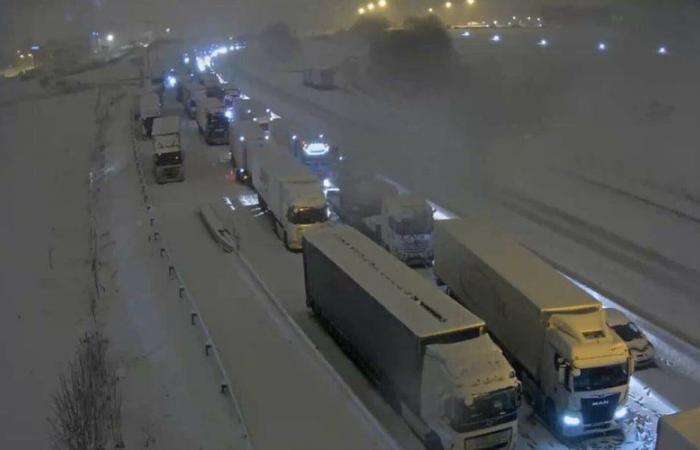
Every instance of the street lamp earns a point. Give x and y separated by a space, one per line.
381 3
167 30
110 37
430 10
370 6
471 2
361 11
448 5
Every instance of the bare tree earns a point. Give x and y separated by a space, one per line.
87 404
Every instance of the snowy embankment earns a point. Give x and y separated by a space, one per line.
45 281
75 256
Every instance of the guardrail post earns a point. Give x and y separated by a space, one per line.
207 348
162 252
193 318
171 271
224 388
181 291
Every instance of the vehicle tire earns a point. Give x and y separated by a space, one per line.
286 241
261 203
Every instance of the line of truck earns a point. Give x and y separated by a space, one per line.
575 370
453 368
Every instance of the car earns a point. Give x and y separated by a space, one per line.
640 348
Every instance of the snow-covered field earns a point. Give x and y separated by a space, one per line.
71 204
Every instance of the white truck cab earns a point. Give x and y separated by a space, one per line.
405 228
289 191
640 348
167 154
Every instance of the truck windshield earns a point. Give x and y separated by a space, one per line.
628 332
306 216
168 159
596 378
486 407
420 223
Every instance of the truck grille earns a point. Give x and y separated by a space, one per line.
599 409
492 441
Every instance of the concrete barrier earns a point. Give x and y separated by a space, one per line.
216 228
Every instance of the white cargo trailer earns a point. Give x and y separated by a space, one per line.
430 357
245 137
212 120
149 109
680 431
292 194
574 368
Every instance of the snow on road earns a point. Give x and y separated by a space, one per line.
286 393
170 387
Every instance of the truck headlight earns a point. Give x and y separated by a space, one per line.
621 412
571 420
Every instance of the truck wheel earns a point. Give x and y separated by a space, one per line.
286 242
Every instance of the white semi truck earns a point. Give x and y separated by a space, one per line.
404 227
575 370
167 154
680 431
212 120
401 223
431 359
292 194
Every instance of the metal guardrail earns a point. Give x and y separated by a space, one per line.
156 237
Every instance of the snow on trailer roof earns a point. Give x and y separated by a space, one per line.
546 288
283 165
166 125
422 307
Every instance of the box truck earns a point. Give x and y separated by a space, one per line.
575 370
680 431
431 359
212 120
292 194
167 154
